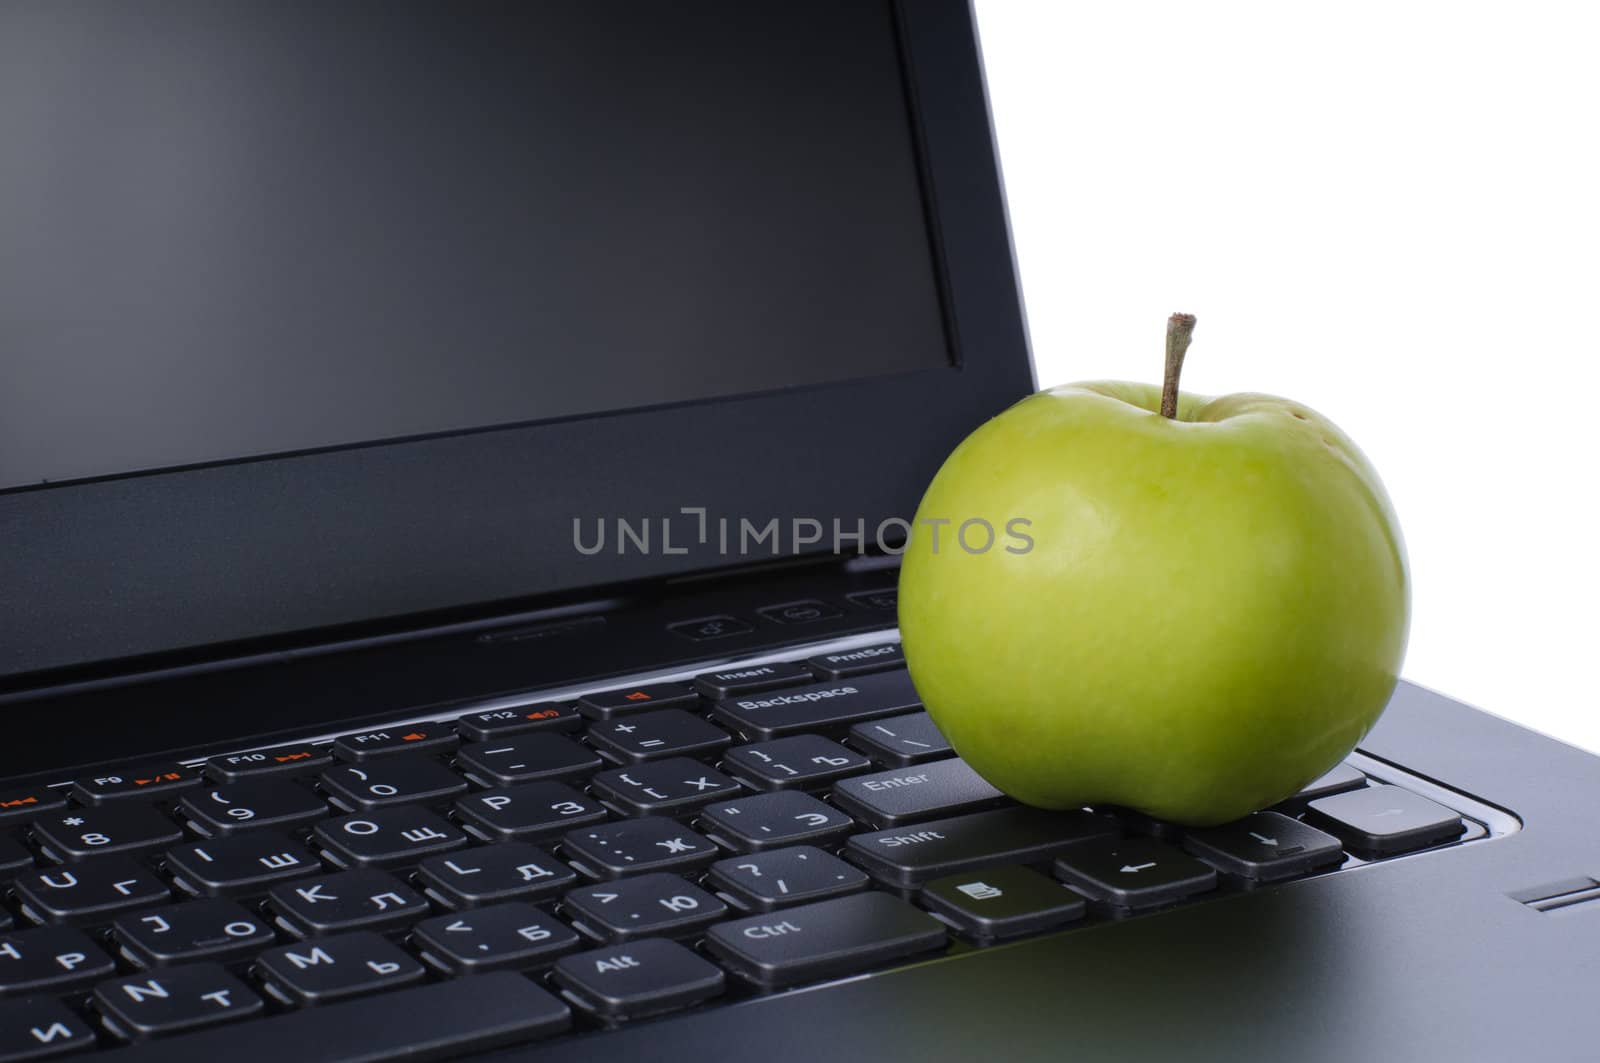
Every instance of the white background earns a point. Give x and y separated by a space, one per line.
1389 211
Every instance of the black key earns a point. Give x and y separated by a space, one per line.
336 968
395 741
1264 846
505 872
239 866
769 821
1343 777
19 806
1002 902
610 850
1383 820
174 1001
656 905
1133 872
347 900
886 600
824 940
764 881
206 930
900 741
498 723
907 857
151 781
891 798
626 700
529 812
644 978
88 894
657 786
752 678
525 758
653 735
849 663
50 959
403 781
510 936
255 805
389 837
41 1029
833 705
801 762
802 612
269 763
125 829
14 857
445 1020
710 627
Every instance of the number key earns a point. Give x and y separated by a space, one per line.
125 829
252 806
408 780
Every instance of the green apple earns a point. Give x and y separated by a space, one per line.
1212 611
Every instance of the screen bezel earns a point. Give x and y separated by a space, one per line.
232 553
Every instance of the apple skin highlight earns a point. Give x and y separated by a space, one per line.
1213 613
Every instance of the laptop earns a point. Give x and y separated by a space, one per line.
454 460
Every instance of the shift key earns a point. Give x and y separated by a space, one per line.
906 795
831 706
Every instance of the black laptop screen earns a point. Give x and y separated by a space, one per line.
238 230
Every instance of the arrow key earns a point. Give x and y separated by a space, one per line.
1133 873
509 936
1383 820
1264 847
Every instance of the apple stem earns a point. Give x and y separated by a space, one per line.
1180 329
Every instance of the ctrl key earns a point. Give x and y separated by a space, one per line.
637 979
826 939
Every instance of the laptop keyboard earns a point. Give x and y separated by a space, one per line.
560 867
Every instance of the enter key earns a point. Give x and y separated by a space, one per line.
906 795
